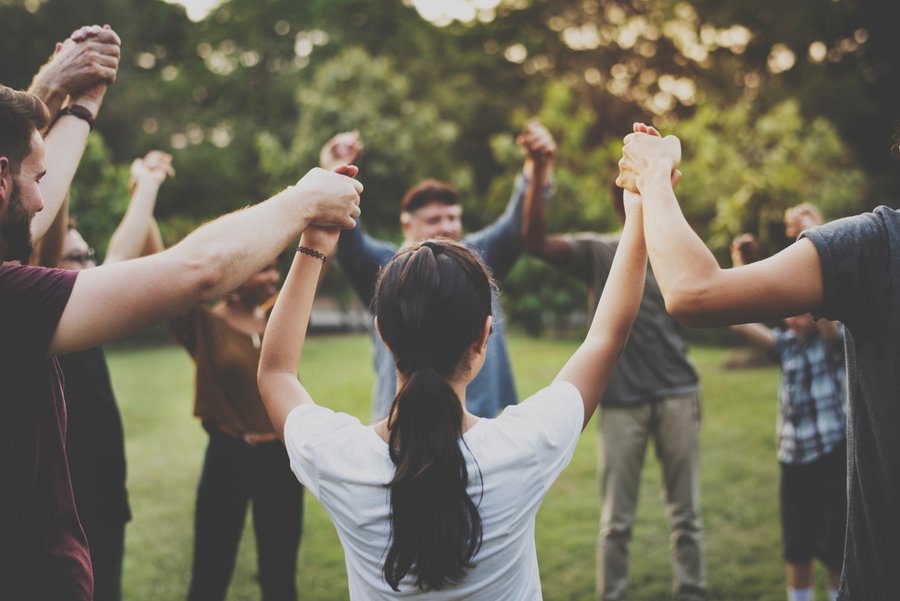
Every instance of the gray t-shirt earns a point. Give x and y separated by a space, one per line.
860 258
654 364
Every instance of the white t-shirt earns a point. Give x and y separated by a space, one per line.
520 454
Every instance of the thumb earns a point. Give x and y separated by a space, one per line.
348 170
676 177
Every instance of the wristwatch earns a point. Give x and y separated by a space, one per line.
76 110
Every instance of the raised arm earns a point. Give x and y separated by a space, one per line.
282 347
540 159
64 144
697 291
114 300
129 241
590 368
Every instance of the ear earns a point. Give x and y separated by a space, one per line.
479 347
6 183
405 223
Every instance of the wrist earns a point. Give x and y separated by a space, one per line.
657 174
90 103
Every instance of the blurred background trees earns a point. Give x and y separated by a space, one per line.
776 103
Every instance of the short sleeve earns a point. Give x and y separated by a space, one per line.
591 258
552 419
32 300
855 258
307 431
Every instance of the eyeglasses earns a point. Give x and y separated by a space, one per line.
82 258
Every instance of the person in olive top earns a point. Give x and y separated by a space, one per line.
245 463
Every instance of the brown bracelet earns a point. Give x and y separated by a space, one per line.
312 253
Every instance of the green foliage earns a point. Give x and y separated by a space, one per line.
99 194
743 169
405 138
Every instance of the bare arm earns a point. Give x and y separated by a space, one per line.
282 348
114 300
279 387
63 149
590 368
697 291
756 334
553 249
48 251
153 242
83 67
130 238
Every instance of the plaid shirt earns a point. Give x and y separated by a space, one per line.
813 399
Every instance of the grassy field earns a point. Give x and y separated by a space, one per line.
739 481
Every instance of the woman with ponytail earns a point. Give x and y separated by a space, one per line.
433 502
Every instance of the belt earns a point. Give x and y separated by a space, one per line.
251 438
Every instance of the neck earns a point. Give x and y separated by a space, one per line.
459 387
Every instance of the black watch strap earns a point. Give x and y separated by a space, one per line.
76 110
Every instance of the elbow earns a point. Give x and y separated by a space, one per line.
204 277
689 303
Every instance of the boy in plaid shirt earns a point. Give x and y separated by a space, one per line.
812 438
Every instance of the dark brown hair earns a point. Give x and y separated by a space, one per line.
426 192
431 301
21 114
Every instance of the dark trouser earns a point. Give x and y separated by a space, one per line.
235 473
107 552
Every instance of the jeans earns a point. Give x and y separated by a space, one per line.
674 424
234 474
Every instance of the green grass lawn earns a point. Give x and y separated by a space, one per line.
739 480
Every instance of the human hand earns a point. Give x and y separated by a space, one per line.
331 197
801 217
744 250
539 146
154 168
644 151
88 59
342 149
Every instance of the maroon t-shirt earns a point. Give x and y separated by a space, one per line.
43 550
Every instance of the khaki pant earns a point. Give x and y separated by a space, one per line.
674 424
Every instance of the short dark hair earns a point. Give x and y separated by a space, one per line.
21 114
426 192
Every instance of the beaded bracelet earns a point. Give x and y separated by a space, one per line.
311 252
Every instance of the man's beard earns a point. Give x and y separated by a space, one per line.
15 230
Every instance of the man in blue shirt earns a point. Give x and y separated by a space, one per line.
431 209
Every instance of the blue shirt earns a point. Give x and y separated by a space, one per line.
812 412
361 257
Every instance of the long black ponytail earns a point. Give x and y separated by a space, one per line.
431 301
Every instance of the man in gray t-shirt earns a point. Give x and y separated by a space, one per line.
847 270
653 393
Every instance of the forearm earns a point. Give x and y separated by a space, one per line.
153 241
49 249
756 334
130 238
534 226
63 148
286 330
590 368
50 92
282 348
241 243
681 261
